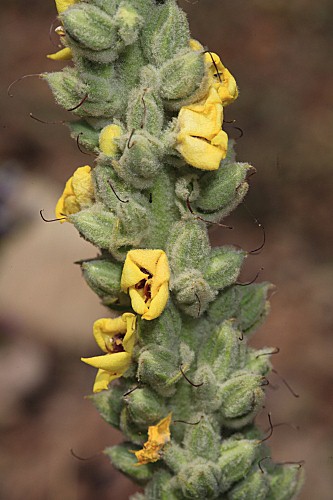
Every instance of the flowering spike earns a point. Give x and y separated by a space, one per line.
175 374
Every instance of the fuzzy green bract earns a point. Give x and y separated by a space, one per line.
134 69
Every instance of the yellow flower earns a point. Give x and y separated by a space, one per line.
201 140
221 78
158 436
63 5
106 139
78 193
146 277
116 337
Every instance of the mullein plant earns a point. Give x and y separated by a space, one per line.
174 371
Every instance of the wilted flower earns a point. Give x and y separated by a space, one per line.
78 194
158 436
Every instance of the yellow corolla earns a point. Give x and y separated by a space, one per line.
201 140
78 194
219 76
107 138
116 337
145 278
222 79
158 436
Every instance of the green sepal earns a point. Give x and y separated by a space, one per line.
224 266
241 395
124 460
188 246
248 305
165 33
163 331
159 368
85 135
175 456
105 177
160 487
145 407
110 404
220 351
68 89
253 487
206 393
95 225
129 22
236 459
140 162
285 482
199 480
202 440
192 292
90 27
145 111
257 361
222 190
182 75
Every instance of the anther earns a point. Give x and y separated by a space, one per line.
187 379
116 195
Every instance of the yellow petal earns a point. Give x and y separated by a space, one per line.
131 274
63 5
115 363
106 139
201 154
158 436
138 303
102 380
83 187
129 339
161 274
62 55
158 303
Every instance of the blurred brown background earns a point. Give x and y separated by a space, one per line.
281 55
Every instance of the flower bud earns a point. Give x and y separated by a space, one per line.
145 407
224 266
140 161
220 351
192 292
160 487
222 190
207 394
89 27
236 458
285 482
103 277
68 89
109 404
182 75
225 306
165 33
188 246
159 368
241 397
145 111
86 135
129 22
199 480
252 487
254 306
202 440
95 225
123 459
